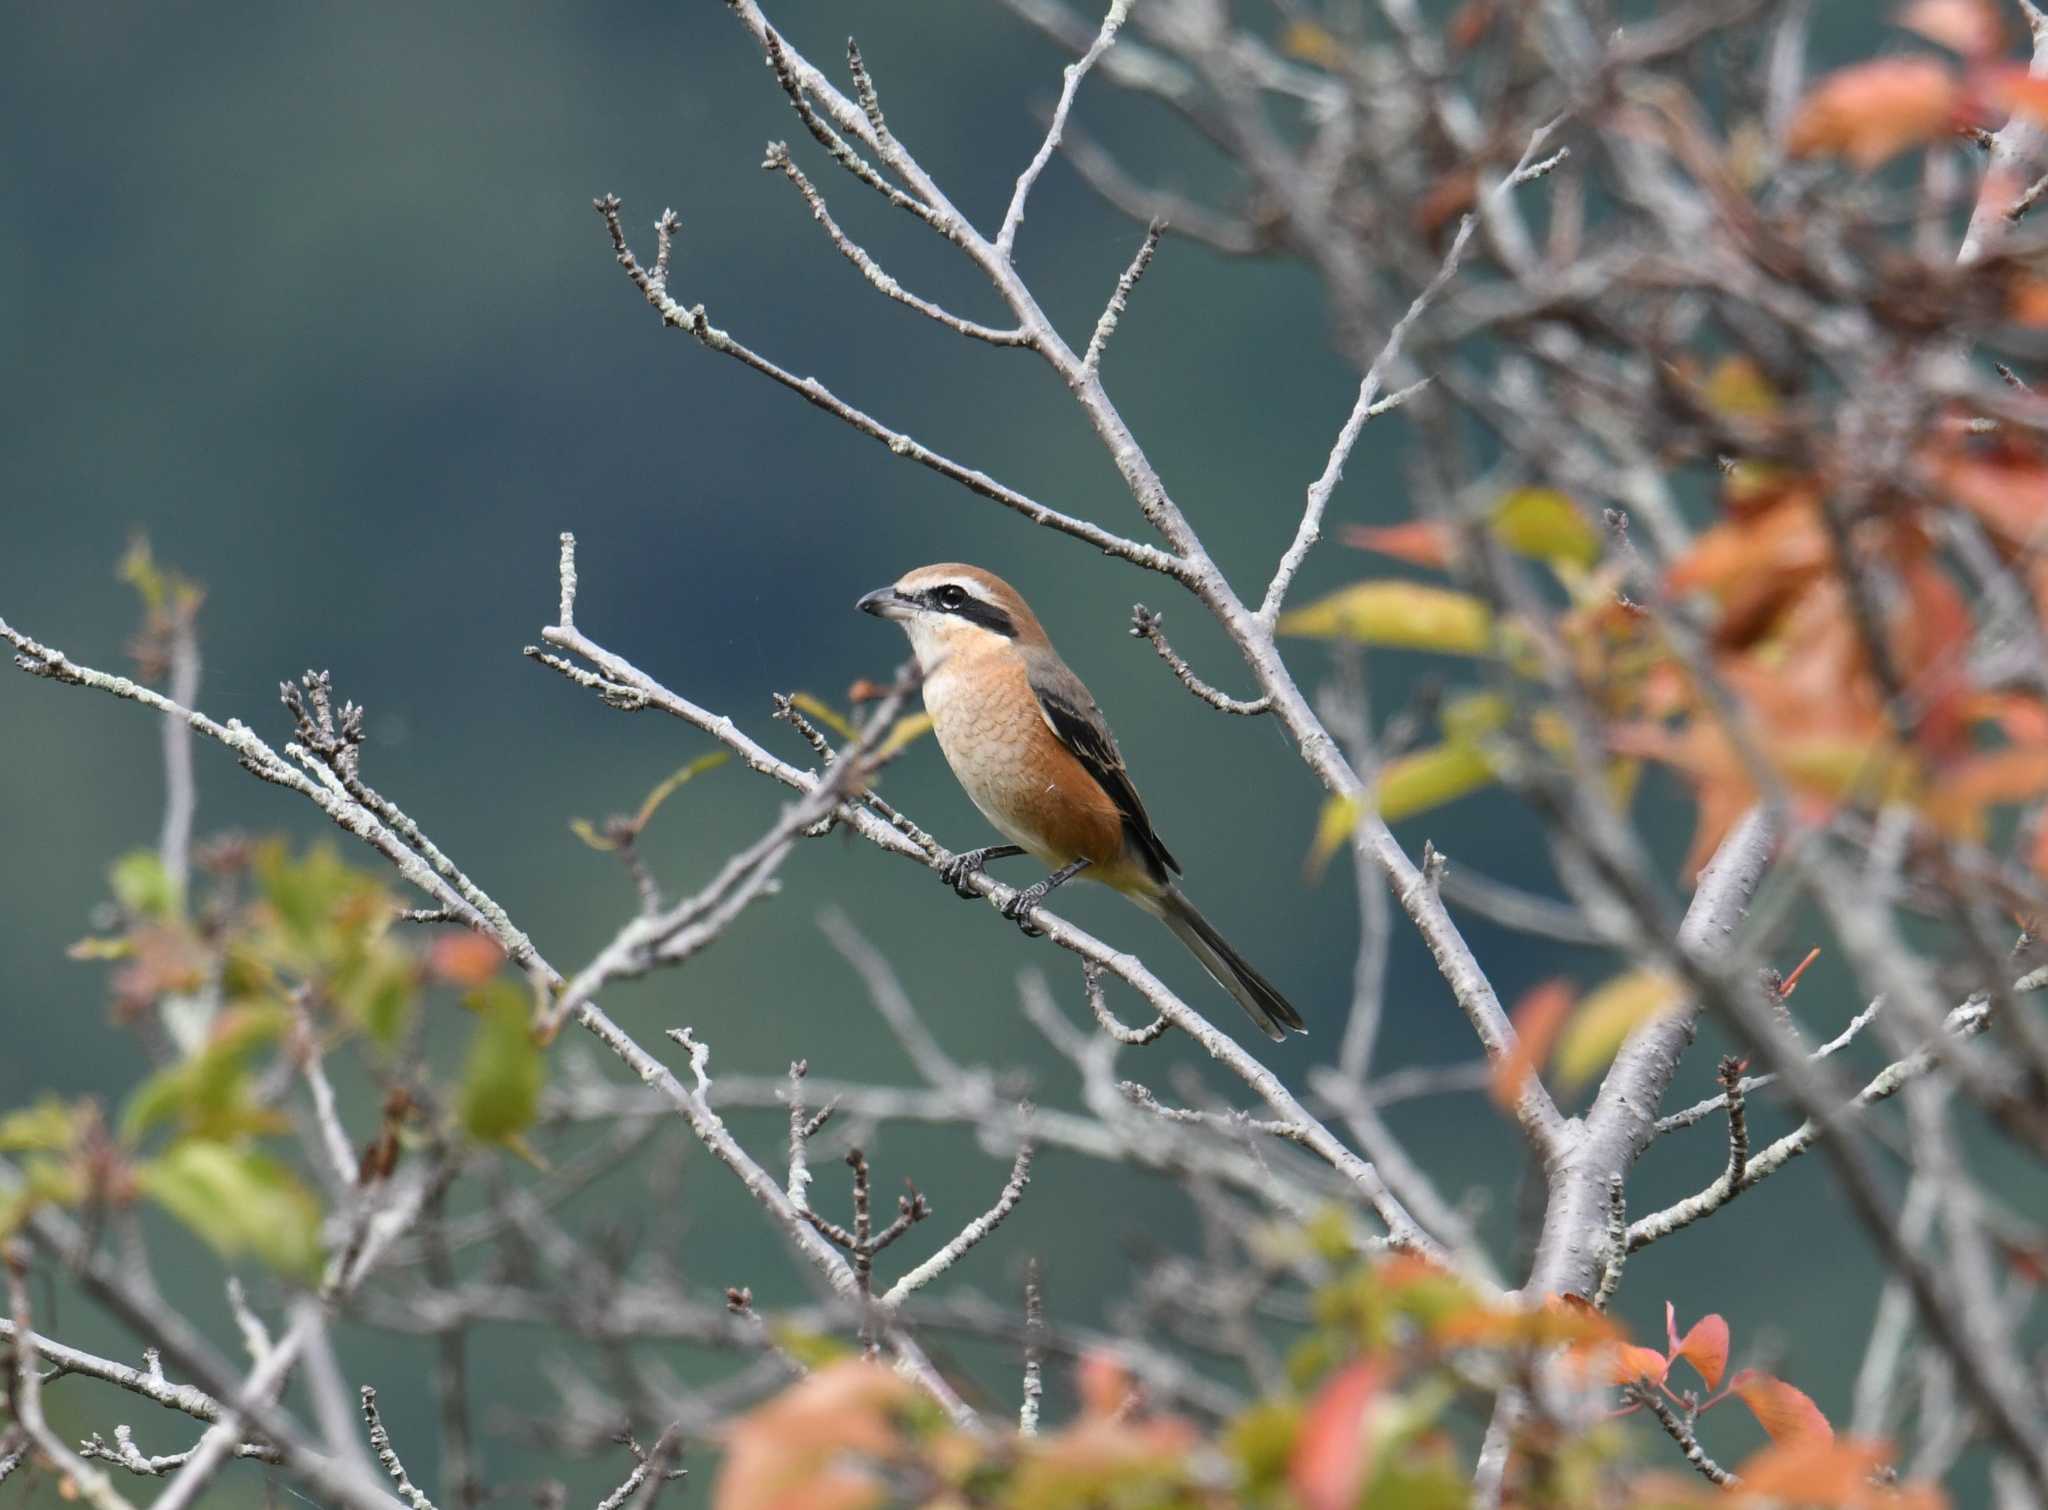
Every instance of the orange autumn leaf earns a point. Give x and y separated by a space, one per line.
1871 112
2012 88
1705 1347
1104 1385
1787 1414
1537 1018
1934 635
1970 27
2008 493
1751 563
1569 1320
1450 197
464 959
2023 717
1333 1450
1996 778
814 1446
1631 1363
1421 542
1083 1462
2026 301
1842 1475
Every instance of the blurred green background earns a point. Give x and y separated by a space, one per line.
315 296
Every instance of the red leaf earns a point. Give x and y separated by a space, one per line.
1705 1347
1471 22
1537 1018
1333 1452
1870 112
1786 1413
1421 541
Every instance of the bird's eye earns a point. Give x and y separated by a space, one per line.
951 597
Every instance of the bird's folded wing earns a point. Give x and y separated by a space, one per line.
1071 714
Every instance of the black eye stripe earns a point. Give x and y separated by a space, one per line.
950 598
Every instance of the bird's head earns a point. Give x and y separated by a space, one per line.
952 610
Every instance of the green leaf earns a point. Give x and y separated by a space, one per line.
44 1181
377 989
1545 523
143 887
323 905
238 1200
813 1350
1410 615
139 570
1262 1442
46 1127
209 1094
1604 1020
502 1081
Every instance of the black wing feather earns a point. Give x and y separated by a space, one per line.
1071 714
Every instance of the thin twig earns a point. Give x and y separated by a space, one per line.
387 1455
1145 625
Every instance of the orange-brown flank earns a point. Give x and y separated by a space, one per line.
1015 769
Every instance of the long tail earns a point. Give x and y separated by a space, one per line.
1233 972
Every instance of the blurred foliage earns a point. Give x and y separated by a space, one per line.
1396 1351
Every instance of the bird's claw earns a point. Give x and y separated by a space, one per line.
955 871
1019 905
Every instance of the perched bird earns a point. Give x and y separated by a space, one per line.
1033 752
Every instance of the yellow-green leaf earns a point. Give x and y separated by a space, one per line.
1262 1442
683 774
238 1200
1545 523
1333 826
46 1127
44 1181
323 905
1312 44
502 1081
588 832
1604 1020
1427 778
209 1093
143 887
377 989
1473 716
909 728
1409 615
811 1349
837 722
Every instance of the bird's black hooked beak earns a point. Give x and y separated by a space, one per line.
880 602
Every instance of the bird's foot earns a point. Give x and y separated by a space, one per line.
957 870
1021 903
